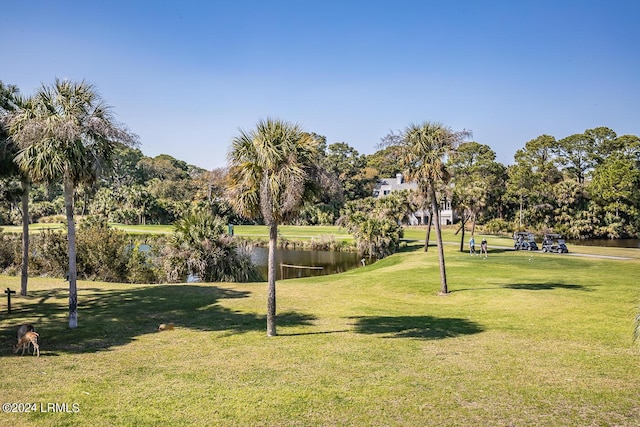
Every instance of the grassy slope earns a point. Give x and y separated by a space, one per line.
521 340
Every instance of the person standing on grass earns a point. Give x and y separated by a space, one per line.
472 246
483 247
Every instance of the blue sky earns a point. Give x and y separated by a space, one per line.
186 75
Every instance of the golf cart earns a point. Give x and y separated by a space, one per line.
523 241
554 243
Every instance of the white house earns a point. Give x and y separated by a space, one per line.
385 186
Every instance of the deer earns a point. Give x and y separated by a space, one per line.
26 340
23 329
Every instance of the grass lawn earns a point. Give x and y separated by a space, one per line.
293 232
523 340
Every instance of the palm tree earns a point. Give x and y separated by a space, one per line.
271 174
68 134
426 148
10 103
200 246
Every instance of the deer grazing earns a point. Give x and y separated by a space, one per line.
29 338
23 329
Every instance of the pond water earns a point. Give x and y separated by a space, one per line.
297 263
615 243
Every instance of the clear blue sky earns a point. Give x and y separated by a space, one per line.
186 75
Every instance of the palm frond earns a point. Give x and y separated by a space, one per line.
271 169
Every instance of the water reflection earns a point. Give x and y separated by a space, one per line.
296 263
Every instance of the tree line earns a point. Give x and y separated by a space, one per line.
584 185
63 154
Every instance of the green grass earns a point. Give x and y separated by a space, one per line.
522 339
293 232
136 229
287 231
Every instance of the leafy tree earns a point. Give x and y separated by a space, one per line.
628 146
602 139
477 181
531 180
425 149
577 154
348 166
615 186
126 170
570 199
68 135
387 161
139 200
272 173
104 202
374 224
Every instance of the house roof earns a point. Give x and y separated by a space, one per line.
388 185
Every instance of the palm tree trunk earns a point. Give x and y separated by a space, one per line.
463 222
443 274
71 238
473 227
271 296
426 238
24 276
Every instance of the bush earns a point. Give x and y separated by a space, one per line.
199 246
374 225
10 252
43 212
124 216
141 267
52 219
497 226
102 252
50 254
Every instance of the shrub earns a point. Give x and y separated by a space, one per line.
10 252
102 252
51 219
43 210
50 253
374 225
199 246
141 267
496 226
124 216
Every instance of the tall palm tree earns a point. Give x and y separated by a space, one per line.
10 103
426 148
271 174
68 134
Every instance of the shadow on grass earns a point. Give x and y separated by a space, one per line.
412 246
421 327
498 250
297 334
109 318
545 286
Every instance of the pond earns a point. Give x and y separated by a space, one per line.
297 263
612 243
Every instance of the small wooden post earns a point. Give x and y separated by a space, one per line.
9 292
